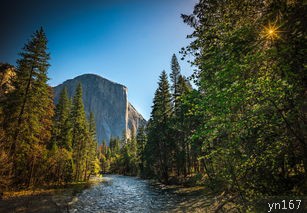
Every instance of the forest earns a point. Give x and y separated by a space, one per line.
41 142
237 125
241 131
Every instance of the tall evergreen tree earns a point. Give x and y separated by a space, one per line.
179 128
61 142
115 145
103 147
158 147
174 76
29 109
141 139
62 134
91 148
92 127
80 134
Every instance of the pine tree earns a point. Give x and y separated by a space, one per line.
80 134
174 76
178 127
104 147
91 148
141 139
114 145
92 127
158 148
61 142
62 134
29 109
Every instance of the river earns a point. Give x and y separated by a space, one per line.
128 194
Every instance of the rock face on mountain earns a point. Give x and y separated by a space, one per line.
7 72
108 101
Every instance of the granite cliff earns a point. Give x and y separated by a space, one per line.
7 72
108 101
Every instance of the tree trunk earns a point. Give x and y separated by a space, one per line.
32 171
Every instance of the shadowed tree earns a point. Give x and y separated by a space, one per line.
158 146
80 134
29 109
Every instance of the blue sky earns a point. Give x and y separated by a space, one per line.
129 42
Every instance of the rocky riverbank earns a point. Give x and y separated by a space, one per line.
63 199
38 200
51 199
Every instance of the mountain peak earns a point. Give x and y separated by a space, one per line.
108 101
94 77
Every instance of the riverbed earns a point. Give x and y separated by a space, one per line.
131 194
112 193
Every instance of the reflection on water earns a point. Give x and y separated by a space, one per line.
125 194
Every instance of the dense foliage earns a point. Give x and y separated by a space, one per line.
252 90
242 131
120 157
40 143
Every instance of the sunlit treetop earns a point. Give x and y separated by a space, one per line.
271 32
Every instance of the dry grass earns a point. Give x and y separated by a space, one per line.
23 193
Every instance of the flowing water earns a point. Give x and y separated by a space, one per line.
125 194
